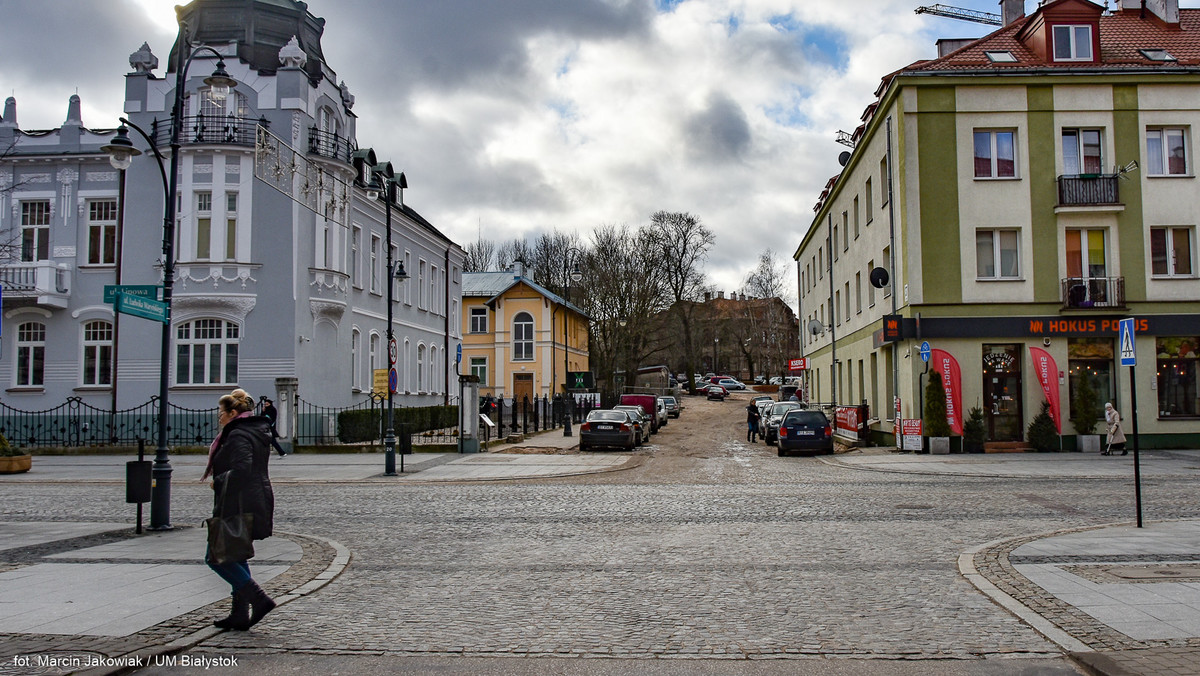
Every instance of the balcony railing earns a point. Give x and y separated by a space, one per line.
1088 190
221 129
329 144
42 282
1095 292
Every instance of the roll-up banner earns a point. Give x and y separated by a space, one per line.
1047 375
944 363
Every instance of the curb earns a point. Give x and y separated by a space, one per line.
341 559
889 470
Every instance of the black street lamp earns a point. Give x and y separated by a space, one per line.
384 184
572 274
121 153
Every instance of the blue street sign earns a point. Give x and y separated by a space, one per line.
926 351
392 380
458 358
1128 356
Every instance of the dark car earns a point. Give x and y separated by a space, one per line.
774 417
606 427
717 392
805 431
641 421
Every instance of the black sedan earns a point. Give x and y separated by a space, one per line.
717 392
607 428
805 431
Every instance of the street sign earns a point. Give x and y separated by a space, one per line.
392 350
142 290
458 355
926 351
139 306
392 379
580 380
800 364
1128 356
379 381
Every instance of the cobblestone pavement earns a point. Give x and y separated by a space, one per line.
712 547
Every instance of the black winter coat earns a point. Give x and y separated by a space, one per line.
240 468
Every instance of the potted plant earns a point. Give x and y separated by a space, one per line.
1042 434
974 431
937 429
1086 413
12 460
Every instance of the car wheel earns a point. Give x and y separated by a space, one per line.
782 453
628 448
583 448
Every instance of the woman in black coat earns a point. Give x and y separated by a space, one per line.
237 461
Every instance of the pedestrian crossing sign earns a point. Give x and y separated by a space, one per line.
1128 356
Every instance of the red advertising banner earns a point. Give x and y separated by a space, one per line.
1047 375
847 421
800 364
944 363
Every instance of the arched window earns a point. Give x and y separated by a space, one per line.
435 380
206 352
31 354
375 355
523 337
97 353
420 368
356 375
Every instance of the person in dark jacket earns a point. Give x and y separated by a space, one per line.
272 415
237 461
752 419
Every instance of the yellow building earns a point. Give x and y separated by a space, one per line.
513 335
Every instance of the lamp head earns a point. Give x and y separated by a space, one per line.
400 272
220 82
576 273
120 150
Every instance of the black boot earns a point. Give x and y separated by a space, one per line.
239 613
260 604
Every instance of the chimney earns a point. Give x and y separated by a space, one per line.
707 296
1011 10
1165 10
721 295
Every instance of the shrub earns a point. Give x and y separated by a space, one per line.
1041 433
7 450
1086 406
367 424
974 431
935 408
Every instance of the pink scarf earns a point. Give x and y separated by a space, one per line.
212 448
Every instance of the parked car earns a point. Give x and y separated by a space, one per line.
716 392
775 380
804 430
731 384
763 403
770 428
672 405
786 392
607 428
648 402
641 421
760 380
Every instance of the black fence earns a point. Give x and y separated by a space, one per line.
1088 190
75 423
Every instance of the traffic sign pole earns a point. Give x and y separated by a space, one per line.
1129 358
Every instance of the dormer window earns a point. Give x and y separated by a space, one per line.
1000 57
1157 54
1073 43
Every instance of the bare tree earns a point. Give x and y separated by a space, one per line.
768 322
512 251
480 256
683 242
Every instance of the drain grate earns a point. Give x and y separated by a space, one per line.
1132 573
914 506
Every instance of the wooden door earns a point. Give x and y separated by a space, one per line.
522 387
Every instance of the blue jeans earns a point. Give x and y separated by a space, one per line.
236 573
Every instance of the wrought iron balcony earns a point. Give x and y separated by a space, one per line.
218 129
1095 292
39 283
1088 190
329 144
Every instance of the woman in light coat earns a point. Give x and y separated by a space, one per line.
1116 436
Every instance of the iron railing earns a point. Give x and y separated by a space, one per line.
329 144
1084 190
75 423
1094 292
222 129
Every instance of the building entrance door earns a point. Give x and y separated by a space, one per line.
522 388
1002 392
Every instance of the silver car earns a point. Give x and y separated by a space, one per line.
640 418
770 428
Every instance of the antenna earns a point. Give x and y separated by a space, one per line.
845 138
962 14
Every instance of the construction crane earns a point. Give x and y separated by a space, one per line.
963 14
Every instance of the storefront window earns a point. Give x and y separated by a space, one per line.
1091 358
1177 392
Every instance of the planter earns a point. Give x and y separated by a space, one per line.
939 445
1088 443
13 464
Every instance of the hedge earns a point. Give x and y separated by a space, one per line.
365 424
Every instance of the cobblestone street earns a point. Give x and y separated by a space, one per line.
711 548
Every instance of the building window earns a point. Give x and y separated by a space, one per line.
1000 57
996 254
97 353
1177 376
391 275
479 320
102 232
231 218
858 293
870 286
206 352
837 306
35 231
833 243
31 354
1091 358
355 252
479 370
1082 151
847 297
856 217
1171 252
1166 151
422 288
356 360
870 215
883 181
523 337
995 154
1073 43
376 243
203 225
420 368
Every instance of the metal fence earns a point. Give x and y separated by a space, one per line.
75 423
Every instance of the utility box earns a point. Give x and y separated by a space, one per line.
468 421
137 481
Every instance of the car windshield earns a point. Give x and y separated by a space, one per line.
608 416
636 410
814 418
669 400
783 407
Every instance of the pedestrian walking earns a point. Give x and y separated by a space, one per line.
237 462
272 414
752 419
1116 437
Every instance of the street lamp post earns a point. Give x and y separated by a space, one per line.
715 341
571 273
384 184
121 153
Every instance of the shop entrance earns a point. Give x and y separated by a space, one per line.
1002 392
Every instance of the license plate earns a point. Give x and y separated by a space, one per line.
805 433
605 427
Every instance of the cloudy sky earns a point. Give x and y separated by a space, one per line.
512 117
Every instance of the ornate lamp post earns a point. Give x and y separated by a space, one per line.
121 153
572 274
384 185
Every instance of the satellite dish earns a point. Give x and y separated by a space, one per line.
879 278
815 327
843 157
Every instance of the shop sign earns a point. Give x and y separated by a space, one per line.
911 430
800 364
